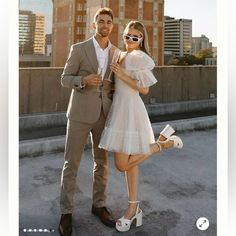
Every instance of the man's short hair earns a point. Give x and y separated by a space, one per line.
103 11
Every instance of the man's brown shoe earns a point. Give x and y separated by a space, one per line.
104 215
65 226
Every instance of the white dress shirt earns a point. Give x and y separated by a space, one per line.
102 56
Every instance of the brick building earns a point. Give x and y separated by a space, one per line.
72 21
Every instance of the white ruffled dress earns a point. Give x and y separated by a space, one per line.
128 128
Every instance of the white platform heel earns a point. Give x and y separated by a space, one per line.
125 224
167 133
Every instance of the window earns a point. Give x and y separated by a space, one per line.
79 18
79 7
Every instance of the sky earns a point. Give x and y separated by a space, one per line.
39 6
202 12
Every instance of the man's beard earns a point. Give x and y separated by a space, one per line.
103 33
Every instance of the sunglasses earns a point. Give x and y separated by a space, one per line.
132 38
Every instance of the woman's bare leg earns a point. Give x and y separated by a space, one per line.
129 164
132 180
124 164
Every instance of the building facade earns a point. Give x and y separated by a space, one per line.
72 20
199 43
48 44
31 33
211 61
214 51
177 36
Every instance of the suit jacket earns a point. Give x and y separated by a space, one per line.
85 104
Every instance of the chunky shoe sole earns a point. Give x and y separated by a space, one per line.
126 223
167 131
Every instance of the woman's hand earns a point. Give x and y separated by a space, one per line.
116 68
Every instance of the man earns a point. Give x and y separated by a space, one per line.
87 110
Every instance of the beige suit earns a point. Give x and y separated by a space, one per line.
87 111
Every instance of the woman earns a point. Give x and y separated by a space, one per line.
128 132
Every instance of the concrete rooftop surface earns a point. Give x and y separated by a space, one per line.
176 188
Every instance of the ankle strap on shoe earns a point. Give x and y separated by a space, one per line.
137 209
133 201
159 145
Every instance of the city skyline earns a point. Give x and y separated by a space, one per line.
204 19
203 14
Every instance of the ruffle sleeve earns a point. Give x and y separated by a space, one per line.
140 66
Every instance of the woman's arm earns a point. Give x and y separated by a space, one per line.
133 83
116 68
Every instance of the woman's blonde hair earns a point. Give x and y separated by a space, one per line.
142 29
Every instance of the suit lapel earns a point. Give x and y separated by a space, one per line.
91 54
92 57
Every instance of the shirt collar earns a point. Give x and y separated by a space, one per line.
96 45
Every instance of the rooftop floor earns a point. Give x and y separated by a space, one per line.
176 188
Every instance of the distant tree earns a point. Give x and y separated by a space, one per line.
182 61
205 53
197 59
173 61
190 60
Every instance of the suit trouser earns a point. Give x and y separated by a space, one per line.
76 138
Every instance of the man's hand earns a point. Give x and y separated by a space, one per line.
92 79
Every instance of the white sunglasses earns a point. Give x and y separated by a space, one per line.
132 38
